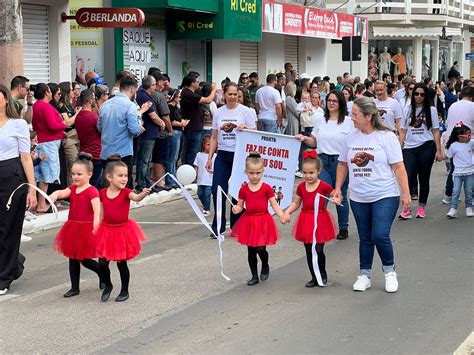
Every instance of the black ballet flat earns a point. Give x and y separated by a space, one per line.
101 285
71 293
265 273
123 296
324 278
106 294
312 283
253 281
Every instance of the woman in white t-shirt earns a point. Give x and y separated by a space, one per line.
229 117
372 157
328 136
16 168
420 140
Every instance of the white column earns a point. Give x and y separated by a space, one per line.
271 55
418 54
59 43
435 68
408 7
225 60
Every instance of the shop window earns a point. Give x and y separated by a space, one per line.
390 56
427 60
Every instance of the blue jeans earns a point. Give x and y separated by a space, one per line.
204 194
269 126
328 175
144 155
374 221
174 147
458 181
192 146
223 165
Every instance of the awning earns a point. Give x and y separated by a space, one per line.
414 32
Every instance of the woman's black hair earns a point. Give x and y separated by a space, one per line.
342 106
40 91
425 110
350 90
230 84
456 132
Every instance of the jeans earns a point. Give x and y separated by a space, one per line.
418 163
96 179
204 194
270 126
223 165
374 221
468 181
174 147
192 145
144 155
328 175
448 190
128 160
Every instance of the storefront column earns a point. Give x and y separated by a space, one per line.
271 54
225 60
418 54
11 47
59 43
313 56
435 69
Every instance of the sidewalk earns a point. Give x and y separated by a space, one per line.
48 221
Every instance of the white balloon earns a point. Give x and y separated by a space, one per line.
186 174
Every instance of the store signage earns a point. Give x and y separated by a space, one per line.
110 17
469 56
311 22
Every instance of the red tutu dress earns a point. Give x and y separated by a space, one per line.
256 226
304 226
75 239
118 237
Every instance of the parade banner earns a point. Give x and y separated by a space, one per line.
280 157
311 22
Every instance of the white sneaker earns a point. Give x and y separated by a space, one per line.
362 283
206 213
452 213
298 174
4 291
469 212
25 238
447 200
391 282
29 216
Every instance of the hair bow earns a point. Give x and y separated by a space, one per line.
311 154
459 124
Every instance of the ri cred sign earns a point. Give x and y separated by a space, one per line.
107 17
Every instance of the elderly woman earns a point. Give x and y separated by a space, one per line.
292 114
16 168
372 156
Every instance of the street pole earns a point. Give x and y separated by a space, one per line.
350 54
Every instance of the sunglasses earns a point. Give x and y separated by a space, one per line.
245 77
411 88
332 101
421 94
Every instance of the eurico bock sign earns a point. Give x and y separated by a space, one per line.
123 17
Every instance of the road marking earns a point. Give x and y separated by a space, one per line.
467 347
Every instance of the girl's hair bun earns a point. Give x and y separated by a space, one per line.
254 155
114 157
84 156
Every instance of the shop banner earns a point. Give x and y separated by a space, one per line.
280 156
311 22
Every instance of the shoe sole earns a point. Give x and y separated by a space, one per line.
408 217
360 290
451 217
419 216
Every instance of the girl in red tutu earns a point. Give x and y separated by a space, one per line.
76 239
256 227
304 226
118 237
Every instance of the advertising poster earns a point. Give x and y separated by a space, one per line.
87 44
280 156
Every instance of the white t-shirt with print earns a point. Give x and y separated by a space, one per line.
462 110
203 176
392 112
418 134
462 154
330 135
239 115
266 98
368 158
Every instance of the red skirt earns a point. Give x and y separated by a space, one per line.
119 242
303 228
75 240
256 230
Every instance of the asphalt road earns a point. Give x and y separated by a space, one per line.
179 303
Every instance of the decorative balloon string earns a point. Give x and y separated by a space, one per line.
53 206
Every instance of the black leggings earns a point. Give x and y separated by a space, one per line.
252 257
123 270
418 163
321 258
75 270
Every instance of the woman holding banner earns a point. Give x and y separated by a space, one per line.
232 115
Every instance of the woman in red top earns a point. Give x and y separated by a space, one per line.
76 240
88 134
256 228
118 237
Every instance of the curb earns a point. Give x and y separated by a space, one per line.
49 221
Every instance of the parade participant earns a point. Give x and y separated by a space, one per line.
460 148
16 168
256 228
405 100
204 178
420 140
304 227
118 236
372 156
328 135
76 239
232 115
349 95
389 109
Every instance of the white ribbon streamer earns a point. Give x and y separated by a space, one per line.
53 206
317 272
